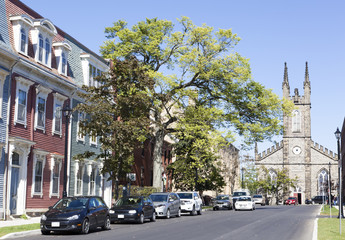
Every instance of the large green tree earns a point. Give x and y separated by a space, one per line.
118 110
185 59
196 151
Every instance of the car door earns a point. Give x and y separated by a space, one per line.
93 212
197 201
102 211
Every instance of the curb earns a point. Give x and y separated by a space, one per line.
316 226
21 234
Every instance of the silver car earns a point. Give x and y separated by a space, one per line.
166 204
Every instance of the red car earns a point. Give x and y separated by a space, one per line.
291 201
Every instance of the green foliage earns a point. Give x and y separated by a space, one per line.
21 228
139 191
196 165
278 186
118 114
187 61
250 176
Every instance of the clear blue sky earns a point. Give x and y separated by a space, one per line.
272 32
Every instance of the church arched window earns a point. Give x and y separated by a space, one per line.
273 176
296 121
322 183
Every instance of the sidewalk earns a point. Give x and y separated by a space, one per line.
19 222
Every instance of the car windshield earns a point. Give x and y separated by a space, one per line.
244 199
257 196
125 201
238 194
185 195
222 197
159 198
71 203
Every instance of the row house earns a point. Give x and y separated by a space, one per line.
41 71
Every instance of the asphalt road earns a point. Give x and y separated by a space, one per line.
268 222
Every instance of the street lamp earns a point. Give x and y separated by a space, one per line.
337 136
67 111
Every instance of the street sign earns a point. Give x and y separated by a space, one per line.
131 177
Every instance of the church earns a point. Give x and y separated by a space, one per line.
312 163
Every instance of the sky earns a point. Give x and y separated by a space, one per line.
272 32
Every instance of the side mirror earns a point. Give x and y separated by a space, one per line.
51 207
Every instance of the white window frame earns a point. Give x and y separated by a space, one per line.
58 100
41 92
93 172
23 85
47 52
38 156
80 135
93 140
60 49
55 160
79 166
19 23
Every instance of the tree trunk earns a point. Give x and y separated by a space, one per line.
157 159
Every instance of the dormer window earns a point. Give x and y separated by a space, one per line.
40 48
92 67
42 35
61 52
21 26
23 40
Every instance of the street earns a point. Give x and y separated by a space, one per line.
267 222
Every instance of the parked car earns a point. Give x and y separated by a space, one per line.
259 199
166 204
222 201
133 208
308 201
291 201
80 213
245 203
191 202
320 200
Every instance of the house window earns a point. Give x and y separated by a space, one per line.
39 161
47 53
23 40
40 48
1 93
79 182
93 181
64 64
57 118
273 176
93 139
55 174
41 105
21 116
80 132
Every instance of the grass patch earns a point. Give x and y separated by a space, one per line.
328 229
26 227
326 210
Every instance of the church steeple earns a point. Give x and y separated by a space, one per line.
286 85
307 88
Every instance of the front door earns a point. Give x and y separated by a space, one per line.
14 190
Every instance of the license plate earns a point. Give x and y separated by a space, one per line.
120 216
55 224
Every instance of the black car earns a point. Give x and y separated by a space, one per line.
320 199
133 208
80 213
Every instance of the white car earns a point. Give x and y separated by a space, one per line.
190 202
245 203
259 199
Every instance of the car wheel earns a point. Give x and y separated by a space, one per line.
106 225
262 204
85 227
178 213
200 210
214 209
193 212
44 232
168 214
141 218
153 218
